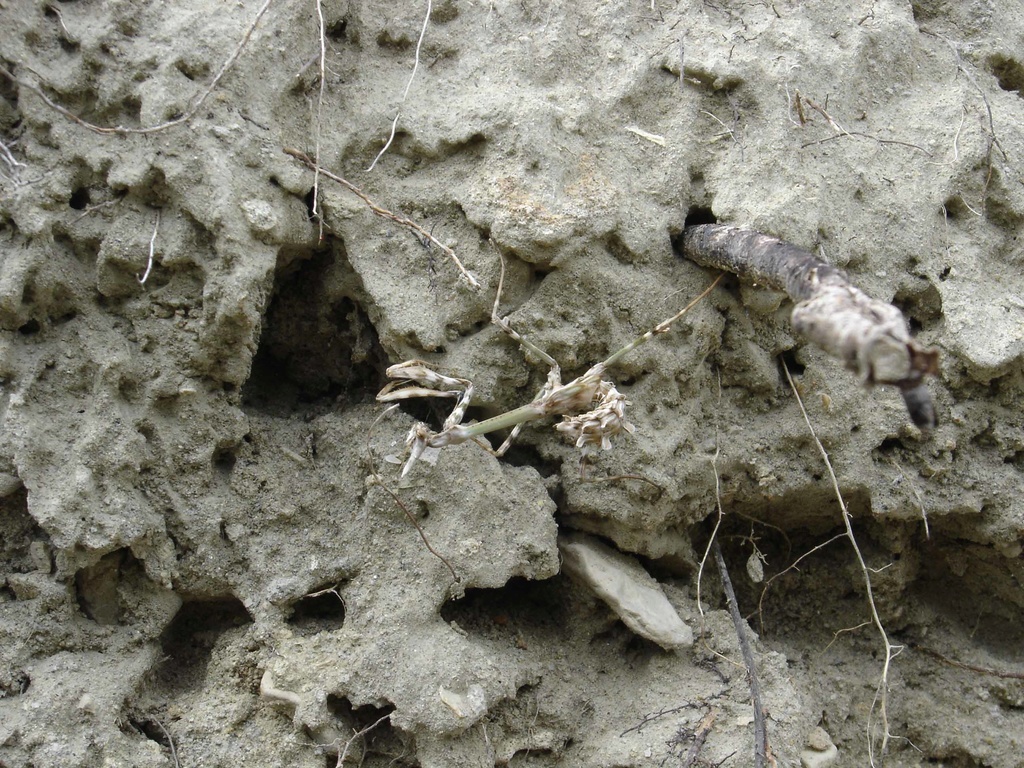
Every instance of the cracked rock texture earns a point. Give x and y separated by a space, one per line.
195 481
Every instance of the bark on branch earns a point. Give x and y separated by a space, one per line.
870 336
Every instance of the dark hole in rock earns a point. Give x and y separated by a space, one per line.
788 360
79 199
338 30
1009 73
515 612
617 247
923 11
380 743
189 640
539 271
699 214
224 459
360 717
920 302
321 611
152 730
14 682
30 328
117 590
310 201
433 411
68 46
318 345
193 68
889 445
20 530
522 455
96 588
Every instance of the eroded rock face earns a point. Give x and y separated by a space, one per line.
193 468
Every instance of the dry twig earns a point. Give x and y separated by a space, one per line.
343 753
408 85
970 667
395 497
993 140
760 732
652 717
917 495
319 113
170 742
699 737
9 159
152 244
99 206
840 131
870 336
384 213
718 523
792 567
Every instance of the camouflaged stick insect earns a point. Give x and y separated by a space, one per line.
592 409
870 336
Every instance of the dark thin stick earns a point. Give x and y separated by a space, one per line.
343 753
970 667
394 496
840 131
760 733
652 716
703 729
870 336
613 478
862 135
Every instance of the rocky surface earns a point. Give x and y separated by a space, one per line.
196 482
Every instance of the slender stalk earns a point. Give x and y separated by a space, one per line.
760 732
882 692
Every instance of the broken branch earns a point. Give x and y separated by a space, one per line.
870 336
760 733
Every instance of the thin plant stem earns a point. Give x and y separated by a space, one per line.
408 85
881 699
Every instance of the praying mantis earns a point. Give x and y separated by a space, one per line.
592 409
870 336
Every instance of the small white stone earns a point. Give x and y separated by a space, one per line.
820 752
472 704
86 703
260 215
628 589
